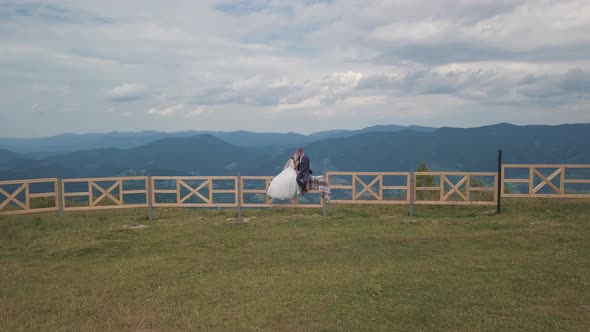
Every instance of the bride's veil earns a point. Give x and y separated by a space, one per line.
287 164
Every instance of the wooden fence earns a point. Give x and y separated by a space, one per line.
421 188
19 196
194 191
370 187
102 193
545 180
456 188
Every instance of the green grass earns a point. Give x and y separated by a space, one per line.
360 268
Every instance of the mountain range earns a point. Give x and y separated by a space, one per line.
43 147
380 148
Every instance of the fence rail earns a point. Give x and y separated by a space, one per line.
426 188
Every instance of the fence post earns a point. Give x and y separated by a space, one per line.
499 183
412 198
58 200
149 197
323 200
239 189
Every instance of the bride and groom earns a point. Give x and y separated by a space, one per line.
293 179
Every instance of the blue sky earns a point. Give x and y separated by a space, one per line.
303 66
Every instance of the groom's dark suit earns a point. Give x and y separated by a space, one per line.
303 172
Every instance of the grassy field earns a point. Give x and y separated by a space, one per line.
360 268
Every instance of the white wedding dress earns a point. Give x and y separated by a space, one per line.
284 185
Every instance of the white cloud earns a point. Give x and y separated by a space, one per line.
166 111
352 62
126 92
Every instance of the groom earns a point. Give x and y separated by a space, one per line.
303 170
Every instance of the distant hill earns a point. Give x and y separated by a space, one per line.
373 129
471 149
197 155
41 148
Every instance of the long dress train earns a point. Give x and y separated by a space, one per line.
284 186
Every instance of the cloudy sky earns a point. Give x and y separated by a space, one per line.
304 66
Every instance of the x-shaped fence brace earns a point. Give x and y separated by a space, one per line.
107 193
12 197
366 187
194 191
454 187
546 180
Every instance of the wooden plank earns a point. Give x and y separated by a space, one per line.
85 193
577 181
328 174
482 174
547 165
428 188
442 186
562 181
178 181
210 192
27 196
254 191
393 188
531 179
41 195
30 211
90 195
121 191
408 185
468 188
547 196
336 187
354 179
383 202
105 179
13 182
104 207
256 177
267 184
516 180
194 205
482 189
131 192
455 203
381 187
147 190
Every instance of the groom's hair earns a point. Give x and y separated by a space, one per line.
300 150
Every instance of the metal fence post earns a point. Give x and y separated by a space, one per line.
58 200
412 198
149 198
499 183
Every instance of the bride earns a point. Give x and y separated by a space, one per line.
284 186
